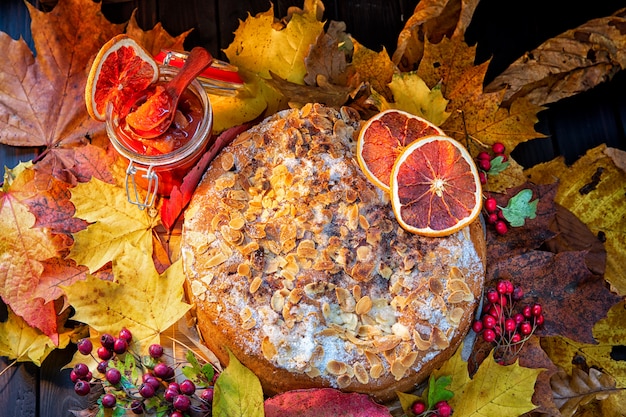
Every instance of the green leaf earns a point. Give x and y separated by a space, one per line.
498 164
437 390
520 208
238 392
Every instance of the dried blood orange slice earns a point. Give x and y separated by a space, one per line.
382 139
435 188
120 70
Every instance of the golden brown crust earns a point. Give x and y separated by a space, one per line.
296 265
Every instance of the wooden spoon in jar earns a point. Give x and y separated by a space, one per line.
153 117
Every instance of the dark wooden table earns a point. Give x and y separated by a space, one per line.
503 31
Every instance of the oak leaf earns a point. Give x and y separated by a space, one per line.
573 391
114 222
593 189
21 342
494 390
139 299
567 64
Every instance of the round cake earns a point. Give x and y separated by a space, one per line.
296 264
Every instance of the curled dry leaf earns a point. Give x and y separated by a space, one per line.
568 64
573 391
432 19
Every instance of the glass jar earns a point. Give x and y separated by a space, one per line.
158 172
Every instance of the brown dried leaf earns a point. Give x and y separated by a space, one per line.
156 38
432 20
568 64
327 58
322 92
578 389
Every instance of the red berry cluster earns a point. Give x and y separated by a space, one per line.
495 216
484 160
441 409
156 388
504 325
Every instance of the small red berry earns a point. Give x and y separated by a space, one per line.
489 335
155 350
477 326
489 321
498 147
539 320
108 400
518 293
536 309
114 376
510 325
146 390
516 338
518 318
120 346
81 370
501 286
495 310
492 218
102 366
483 177
176 414
207 395
483 155
161 370
418 407
492 295
491 205
187 387
104 353
82 388
85 346
126 335
107 341
501 227
500 214
527 312
526 328
443 409
182 402
484 164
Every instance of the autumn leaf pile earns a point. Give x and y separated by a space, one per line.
68 236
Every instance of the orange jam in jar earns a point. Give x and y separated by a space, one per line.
157 165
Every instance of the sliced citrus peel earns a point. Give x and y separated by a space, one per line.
382 139
120 69
435 187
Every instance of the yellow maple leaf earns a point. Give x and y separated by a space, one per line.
474 113
494 390
139 299
375 68
261 46
411 94
23 343
593 189
113 222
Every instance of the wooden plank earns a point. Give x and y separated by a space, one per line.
18 389
199 15
57 394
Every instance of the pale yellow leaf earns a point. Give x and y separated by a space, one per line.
139 299
24 343
113 223
411 94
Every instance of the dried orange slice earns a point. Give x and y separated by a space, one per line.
435 188
120 70
382 139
